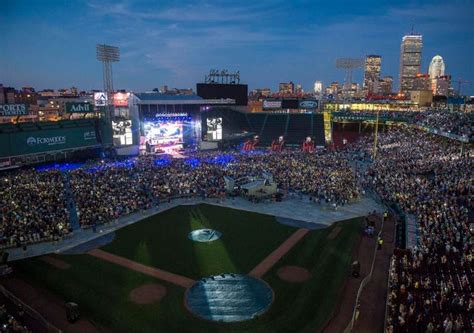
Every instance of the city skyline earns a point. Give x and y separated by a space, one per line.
189 39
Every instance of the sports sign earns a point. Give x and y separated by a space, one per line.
8 110
100 99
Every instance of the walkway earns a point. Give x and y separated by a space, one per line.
343 313
293 208
372 300
70 202
266 264
47 305
151 271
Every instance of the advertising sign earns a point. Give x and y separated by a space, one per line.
79 107
289 104
121 99
310 104
100 99
42 141
9 110
271 104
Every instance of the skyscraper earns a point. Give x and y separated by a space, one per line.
436 70
410 61
371 73
318 87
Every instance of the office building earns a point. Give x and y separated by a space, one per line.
333 89
371 73
385 86
410 61
442 85
286 88
318 87
422 82
7 95
299 89
436 70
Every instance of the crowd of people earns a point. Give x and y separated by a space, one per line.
457 123
114 190
451 122
107 193
432 285
429 177
32 207
11 318
34 204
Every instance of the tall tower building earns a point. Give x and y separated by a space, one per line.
371 73
410 61
318 87
436 70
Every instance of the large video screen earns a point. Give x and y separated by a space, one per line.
122 132
214 128
166 133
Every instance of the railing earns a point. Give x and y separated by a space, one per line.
460 138
388 293
30 311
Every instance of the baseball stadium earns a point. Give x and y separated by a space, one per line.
217 220
218 211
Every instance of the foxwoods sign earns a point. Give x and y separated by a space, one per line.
79 107
49 141
9 110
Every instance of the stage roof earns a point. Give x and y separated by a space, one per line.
157 98
164 97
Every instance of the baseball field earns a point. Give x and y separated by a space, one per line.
137 282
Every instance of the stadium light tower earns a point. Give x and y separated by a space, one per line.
348 64
107 55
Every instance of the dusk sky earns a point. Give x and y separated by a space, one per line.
51 44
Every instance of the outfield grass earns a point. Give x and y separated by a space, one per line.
162 241
102 288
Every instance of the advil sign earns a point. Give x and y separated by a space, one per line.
79 107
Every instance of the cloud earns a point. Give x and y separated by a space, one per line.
193 12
